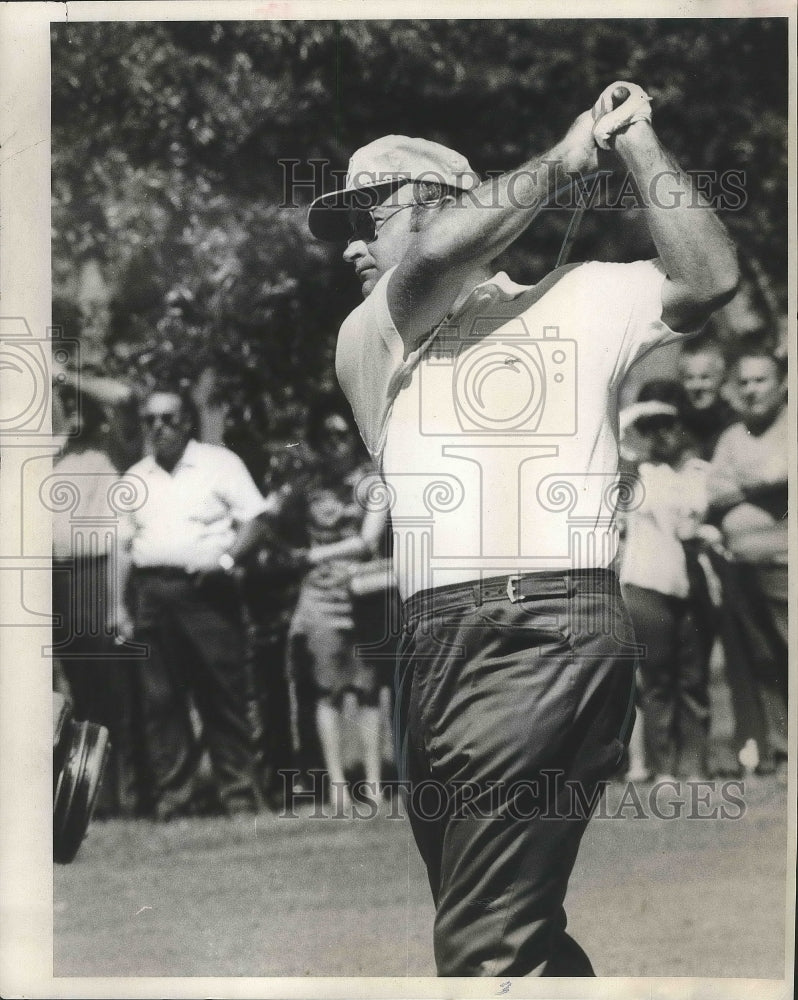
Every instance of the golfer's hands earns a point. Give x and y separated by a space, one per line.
619 106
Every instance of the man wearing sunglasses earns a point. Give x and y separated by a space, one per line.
201 517
490 409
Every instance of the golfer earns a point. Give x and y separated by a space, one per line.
490 408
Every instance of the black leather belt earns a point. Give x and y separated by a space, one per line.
526 587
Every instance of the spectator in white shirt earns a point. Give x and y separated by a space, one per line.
200 517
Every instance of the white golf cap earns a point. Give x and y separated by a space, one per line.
381 166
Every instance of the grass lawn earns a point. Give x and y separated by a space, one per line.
334 897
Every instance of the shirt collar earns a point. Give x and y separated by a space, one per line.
188 459
504 284
499 285
191 453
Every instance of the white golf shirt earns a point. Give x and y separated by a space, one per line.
497 438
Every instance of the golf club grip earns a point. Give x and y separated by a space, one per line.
619 95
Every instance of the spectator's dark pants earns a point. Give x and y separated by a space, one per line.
268 604
509 718
271 718
674 667
754 631
193 630
100 684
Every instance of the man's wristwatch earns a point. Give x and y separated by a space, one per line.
226 562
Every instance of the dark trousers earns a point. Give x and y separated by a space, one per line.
509 718
100 684
193 631
268 604
271 711
674 668
754 632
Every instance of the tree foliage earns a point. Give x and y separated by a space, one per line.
173 142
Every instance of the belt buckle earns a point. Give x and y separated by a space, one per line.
512 596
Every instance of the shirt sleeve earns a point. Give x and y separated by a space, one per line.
135 486
634 291
369 357
238 489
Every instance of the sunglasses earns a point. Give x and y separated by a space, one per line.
365 227
168 418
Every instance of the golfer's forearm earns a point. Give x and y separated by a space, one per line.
492 216
464 238
691 241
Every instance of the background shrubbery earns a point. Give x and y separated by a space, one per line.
175 248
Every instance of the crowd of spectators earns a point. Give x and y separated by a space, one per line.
704 558
228 664
220 635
